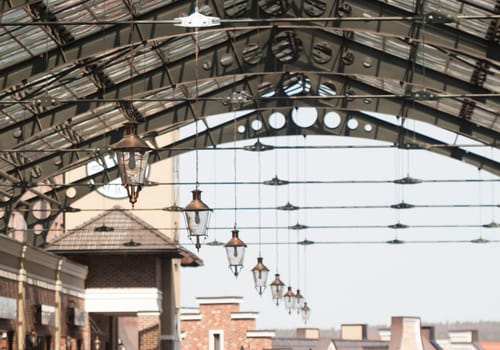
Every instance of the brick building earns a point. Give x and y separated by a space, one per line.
132 294
219 324
41 299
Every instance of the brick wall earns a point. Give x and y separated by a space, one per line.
259 343
119 271
216 317
149 331
8 288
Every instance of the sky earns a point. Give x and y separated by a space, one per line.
349 275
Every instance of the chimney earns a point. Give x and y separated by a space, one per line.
428 338
353 332
405 334
308 333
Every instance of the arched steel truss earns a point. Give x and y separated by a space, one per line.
63 102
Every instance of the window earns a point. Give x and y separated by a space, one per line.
216 340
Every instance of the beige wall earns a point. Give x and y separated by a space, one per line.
150 197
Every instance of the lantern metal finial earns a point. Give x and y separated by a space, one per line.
260 272
132 155
235 251
197 215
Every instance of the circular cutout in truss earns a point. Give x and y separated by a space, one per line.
71 192
327 88
322 53
286 46
344 10
226 60
41 209
256 124
368 127
18 132
352 124
17 226
296 84
207 65
37 229
332 120
347 58
277 120
367 62
252 54
241 129
266 89
235 8
304 117
314 8
274 7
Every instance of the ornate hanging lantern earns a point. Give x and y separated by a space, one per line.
277 287
289 299
260 272
305 312
197 215
235 251
132 155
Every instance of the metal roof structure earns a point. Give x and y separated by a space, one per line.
72 72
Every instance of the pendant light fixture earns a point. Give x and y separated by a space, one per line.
289 300
235 251
132 155
235 247
260 271
299 301
305 312
277 285
197 213
277 288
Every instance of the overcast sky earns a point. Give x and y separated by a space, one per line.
344 278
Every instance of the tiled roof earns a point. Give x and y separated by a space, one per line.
341 344
118 231
301 344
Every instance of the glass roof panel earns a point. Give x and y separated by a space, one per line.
163 101
178 49
16 113
492 81
402 4
89 11
482 114
146 60
81 87
476 27
56 140
143 6
98 122
486 116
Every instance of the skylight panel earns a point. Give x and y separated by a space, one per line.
492 81
17 112
82 87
